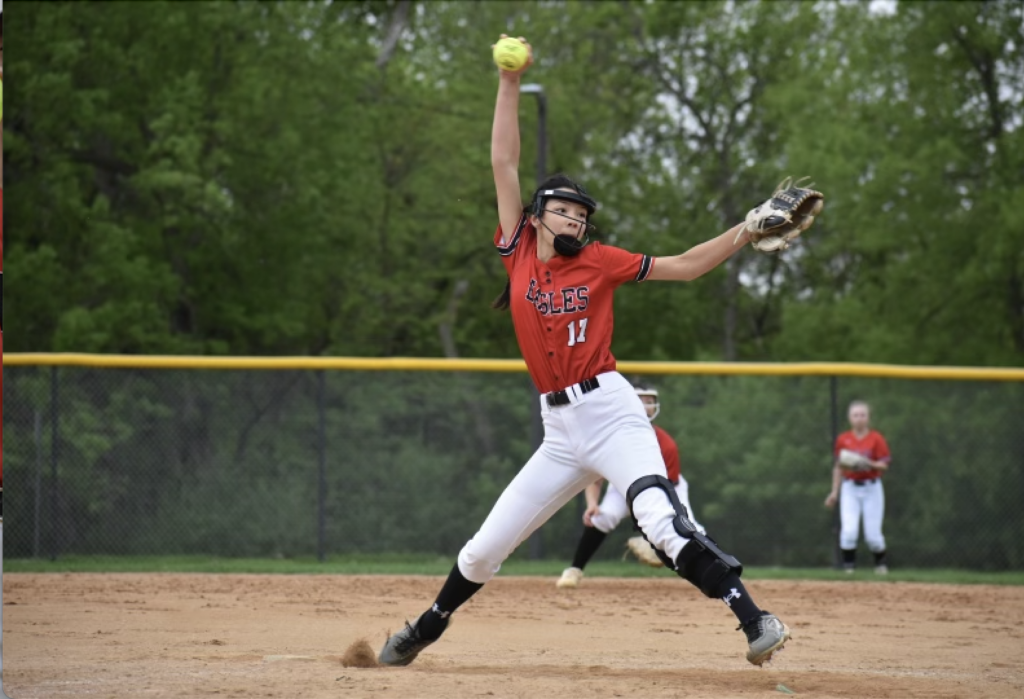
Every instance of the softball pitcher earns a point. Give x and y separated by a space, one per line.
861 457
600 519
560 292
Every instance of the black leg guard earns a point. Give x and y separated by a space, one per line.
705 569
701 561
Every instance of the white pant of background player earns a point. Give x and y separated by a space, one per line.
603 433
613 508
855 502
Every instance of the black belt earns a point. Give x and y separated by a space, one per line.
863 481
556 398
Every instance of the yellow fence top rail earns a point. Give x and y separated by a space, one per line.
126 361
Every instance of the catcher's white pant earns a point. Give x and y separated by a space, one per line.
854 501
602 433
613 508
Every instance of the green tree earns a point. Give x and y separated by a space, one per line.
915 137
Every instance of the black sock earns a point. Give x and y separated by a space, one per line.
589 543
880 558
735 595
849 557
455 591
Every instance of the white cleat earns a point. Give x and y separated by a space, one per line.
571 577
766 636
882 569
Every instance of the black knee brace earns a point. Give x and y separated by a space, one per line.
706 567
701 561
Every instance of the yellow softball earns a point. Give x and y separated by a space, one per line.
510 54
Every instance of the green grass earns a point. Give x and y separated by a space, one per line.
397 564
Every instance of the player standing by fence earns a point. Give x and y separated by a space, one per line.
861 457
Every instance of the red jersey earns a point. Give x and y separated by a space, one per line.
669 452
562 308
872 446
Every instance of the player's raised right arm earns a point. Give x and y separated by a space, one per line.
505 147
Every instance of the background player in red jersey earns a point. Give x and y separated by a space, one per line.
600 519
560 294
857 483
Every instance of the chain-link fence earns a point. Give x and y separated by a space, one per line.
313 462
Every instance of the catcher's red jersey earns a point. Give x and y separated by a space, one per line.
872 446
562 308
669 452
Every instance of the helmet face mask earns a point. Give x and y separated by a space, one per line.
642 392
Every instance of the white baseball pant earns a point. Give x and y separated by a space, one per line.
856 501
613 508
603 433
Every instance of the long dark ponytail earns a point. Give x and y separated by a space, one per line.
504 298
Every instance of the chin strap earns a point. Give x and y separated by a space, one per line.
562 243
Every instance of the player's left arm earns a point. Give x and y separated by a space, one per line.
882 458
700 259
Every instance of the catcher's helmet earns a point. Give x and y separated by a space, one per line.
653 392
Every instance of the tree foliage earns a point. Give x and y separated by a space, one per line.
313 178
310 178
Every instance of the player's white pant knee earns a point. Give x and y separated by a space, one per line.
517 514
612 511
874 512
649 498
662 528
656 518
700 560
549 479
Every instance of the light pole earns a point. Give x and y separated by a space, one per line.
537 425
542 126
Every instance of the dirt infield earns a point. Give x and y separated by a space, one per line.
171 635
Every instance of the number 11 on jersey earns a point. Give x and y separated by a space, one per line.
581 336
